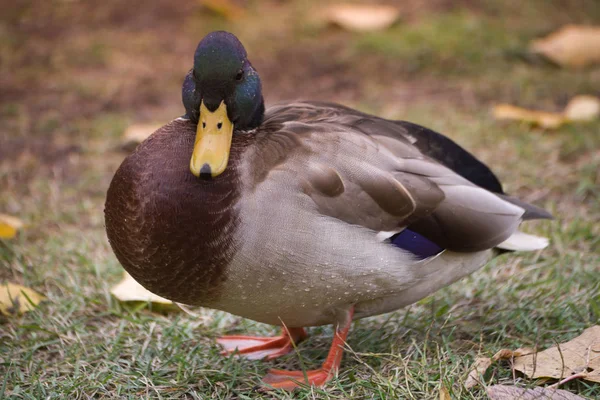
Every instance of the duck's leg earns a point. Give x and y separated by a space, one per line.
258 348
289 380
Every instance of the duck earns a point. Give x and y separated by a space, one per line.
303 214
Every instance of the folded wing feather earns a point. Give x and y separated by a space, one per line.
367 172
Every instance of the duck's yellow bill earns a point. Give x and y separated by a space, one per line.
213 142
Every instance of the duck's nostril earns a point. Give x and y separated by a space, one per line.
205 171
219 125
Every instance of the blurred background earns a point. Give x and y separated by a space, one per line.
75 72
82 81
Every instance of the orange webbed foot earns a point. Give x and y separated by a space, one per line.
258 348
290 380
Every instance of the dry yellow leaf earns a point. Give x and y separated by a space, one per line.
481 364
9 226
506 354
225 8
137 133
541 118
362 17
573 357
16 299
583 108
579 109
505 392
444 394
571 46
477 371
129 290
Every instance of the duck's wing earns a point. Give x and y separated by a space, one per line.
450 154
428 142
365 171
459 160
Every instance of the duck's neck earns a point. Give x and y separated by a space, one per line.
173 232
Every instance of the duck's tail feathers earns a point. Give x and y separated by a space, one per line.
521 241
531 211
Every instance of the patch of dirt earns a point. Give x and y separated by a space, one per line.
329 69
60 52
317 72
40 148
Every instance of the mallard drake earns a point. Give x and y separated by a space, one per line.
306 214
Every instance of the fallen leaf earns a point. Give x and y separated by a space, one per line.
137 133
577 356
9 226
16 299
506 354
130 291
482 364
362 17
583 108
580 108
505 392
444 394
572 46
477 371
225 8
540 118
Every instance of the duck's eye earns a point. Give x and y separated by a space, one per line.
239 75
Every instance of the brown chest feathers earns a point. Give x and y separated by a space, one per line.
170 230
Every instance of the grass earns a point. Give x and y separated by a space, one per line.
66 103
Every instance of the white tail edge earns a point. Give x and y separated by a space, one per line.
521 241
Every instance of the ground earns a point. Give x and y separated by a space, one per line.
75 74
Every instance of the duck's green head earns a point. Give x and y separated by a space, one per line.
222 94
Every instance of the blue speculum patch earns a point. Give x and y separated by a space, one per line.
417 244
